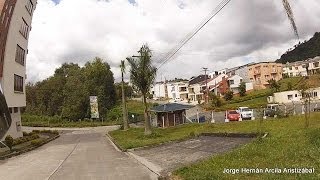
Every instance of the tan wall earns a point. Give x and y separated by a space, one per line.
260 73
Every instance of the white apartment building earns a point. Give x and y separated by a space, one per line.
15 25
302 68
176 90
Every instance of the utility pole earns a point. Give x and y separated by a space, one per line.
206 79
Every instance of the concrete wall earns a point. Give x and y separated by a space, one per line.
11 67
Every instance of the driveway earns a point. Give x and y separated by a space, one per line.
165 158
77 154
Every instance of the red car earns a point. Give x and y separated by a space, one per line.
232 115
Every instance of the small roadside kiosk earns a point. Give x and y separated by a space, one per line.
170 114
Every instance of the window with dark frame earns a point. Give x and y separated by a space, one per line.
20 55
15 109
18 83
24 29
29 7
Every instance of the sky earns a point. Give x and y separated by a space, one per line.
244 31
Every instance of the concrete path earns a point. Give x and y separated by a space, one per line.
82 153
165 158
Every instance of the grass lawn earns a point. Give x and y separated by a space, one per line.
257 98
55 121
288 145
252 103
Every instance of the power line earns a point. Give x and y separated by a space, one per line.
192 34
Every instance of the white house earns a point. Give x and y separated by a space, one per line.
293 96
178 90
296 69
234 83
158 90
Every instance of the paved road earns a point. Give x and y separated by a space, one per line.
78 154
165 158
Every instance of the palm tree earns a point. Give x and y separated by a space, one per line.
142 75
290 15
124 106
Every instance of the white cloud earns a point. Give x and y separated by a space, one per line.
246 30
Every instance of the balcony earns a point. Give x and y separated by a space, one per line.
256 72
274 71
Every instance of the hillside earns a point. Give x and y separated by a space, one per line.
302 51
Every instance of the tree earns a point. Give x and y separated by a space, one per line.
9 142
306 99
274 85
142 75
124 106
215 100
242 89
76 102
228 95
99 82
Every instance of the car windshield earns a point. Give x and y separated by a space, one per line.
246 109
233 112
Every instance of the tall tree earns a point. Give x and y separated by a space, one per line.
142 75
124 106
100 82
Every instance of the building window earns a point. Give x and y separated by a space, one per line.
290 97
24 29
29 7
18 83
10 110
296 68
316 64
15 110
315 94
20 55
296 95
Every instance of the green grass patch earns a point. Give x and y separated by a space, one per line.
288 145
56 121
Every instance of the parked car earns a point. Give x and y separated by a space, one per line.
245 112
271 110
316 109
232 115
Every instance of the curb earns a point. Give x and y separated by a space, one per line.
114 144
16 153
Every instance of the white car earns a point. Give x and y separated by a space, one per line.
245 113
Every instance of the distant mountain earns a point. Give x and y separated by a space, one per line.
302 51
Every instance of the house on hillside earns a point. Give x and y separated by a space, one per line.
261 73
293 96
170 114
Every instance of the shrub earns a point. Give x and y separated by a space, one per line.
36 142
9 142
242 89
25 133
36 131
228 95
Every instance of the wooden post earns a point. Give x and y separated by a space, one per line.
174 119
168 119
